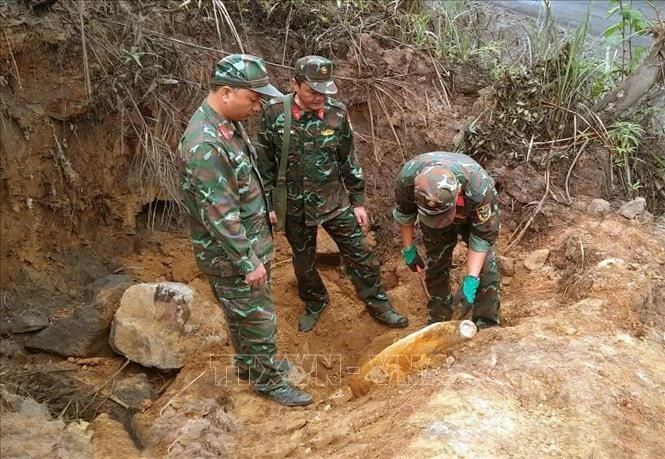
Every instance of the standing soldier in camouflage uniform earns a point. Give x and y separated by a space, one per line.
324 186
451 195
231 234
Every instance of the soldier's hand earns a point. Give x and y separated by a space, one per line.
273 217
361 215
257 277
412 258
470 286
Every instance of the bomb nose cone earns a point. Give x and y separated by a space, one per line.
467 329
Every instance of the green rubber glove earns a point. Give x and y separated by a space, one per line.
469 288
412 259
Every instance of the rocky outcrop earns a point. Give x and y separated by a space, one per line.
28 430
151 326
191 419
85 332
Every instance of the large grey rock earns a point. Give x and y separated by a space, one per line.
24 322
108 289
85 332
151 325
633 208
598 207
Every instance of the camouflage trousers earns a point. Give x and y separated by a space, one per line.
361 265
439 246
250 316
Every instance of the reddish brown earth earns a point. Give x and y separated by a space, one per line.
575 370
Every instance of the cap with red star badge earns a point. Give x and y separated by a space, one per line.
316 72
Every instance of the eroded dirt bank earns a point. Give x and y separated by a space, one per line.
575 370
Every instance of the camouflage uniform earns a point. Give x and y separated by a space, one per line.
230 231
475 219
324 182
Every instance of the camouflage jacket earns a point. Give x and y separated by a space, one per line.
477 203
323 175
223 196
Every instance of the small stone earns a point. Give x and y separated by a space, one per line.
450 360
610 263
506 266
633 208
135 390
341 396
570 331
506 281
536 259
598 207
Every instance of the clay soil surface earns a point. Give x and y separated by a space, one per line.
575 370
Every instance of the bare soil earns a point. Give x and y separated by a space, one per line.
575 370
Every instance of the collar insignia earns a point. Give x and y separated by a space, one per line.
224 131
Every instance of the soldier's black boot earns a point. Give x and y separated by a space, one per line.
482 322
310 318
391 318
287 395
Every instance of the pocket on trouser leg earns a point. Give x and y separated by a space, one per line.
252 323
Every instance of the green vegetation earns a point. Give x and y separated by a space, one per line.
540 108
631 23
625 138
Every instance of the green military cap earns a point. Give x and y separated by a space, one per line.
436 189
244 71
316 72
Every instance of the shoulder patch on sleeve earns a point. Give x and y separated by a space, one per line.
484 212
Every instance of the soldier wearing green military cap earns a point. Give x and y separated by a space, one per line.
312 177
230 228
451 195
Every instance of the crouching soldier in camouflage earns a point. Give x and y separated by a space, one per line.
451 195
230 231
319 182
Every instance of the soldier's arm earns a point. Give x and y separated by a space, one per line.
350 170
406 210
484 213
267 162
214 184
